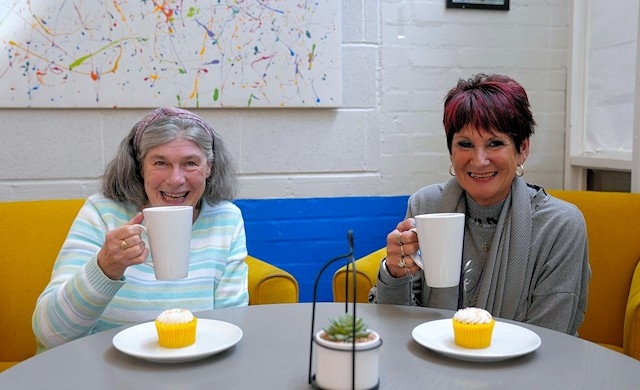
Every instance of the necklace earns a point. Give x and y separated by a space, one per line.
487 223
480 235
481 224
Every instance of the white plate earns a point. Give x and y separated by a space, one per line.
212 336
508 341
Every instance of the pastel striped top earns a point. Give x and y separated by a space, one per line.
80 300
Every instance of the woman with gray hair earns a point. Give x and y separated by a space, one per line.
99 280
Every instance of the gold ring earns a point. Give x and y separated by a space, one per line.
124 245
402 251
399 239
401 263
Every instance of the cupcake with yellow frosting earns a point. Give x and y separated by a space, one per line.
473 328
176 328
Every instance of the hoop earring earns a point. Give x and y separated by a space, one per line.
520 170
451 171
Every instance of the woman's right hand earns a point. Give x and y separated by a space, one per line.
401 244
122 248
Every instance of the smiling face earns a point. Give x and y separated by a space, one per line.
485 163
175 173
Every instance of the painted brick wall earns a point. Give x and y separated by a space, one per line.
302 235
399 59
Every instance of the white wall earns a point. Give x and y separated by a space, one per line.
386 140
611 76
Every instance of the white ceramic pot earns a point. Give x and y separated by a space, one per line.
334 362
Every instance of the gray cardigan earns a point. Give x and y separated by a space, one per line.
557 296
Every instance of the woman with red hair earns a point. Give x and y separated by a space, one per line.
524 252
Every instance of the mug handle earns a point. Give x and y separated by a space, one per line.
416 256
148 263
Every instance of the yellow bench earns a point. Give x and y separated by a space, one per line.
31 234
613 230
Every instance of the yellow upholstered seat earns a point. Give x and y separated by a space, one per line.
613 230
366 277
270 284
31 234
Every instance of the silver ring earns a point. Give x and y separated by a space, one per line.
401 263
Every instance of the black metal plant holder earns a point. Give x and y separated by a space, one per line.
350 262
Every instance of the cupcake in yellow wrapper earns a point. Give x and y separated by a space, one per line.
176 328
473 328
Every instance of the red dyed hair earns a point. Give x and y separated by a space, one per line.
494 103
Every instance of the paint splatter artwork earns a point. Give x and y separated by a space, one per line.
186 53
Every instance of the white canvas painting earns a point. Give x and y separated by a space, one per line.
185 53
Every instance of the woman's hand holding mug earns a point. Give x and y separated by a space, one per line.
122 248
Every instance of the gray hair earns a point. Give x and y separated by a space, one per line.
123 182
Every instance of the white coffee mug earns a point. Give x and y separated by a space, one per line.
440 237
169 232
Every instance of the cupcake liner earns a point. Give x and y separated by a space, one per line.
473 336
176 335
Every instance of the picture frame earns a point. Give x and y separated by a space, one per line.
151 58
502 5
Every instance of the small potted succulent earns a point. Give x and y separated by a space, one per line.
334 357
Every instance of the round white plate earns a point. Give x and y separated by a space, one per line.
212 336
508 341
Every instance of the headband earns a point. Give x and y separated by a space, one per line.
164 113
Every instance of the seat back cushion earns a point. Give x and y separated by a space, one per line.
31 234
366 277
613 231
269 284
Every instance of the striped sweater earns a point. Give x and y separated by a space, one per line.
80 300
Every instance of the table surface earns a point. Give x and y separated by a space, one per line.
274 354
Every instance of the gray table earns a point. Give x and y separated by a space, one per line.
274 354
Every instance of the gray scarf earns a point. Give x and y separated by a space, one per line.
506 278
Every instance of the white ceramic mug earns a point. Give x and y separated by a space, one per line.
440 236
169 231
